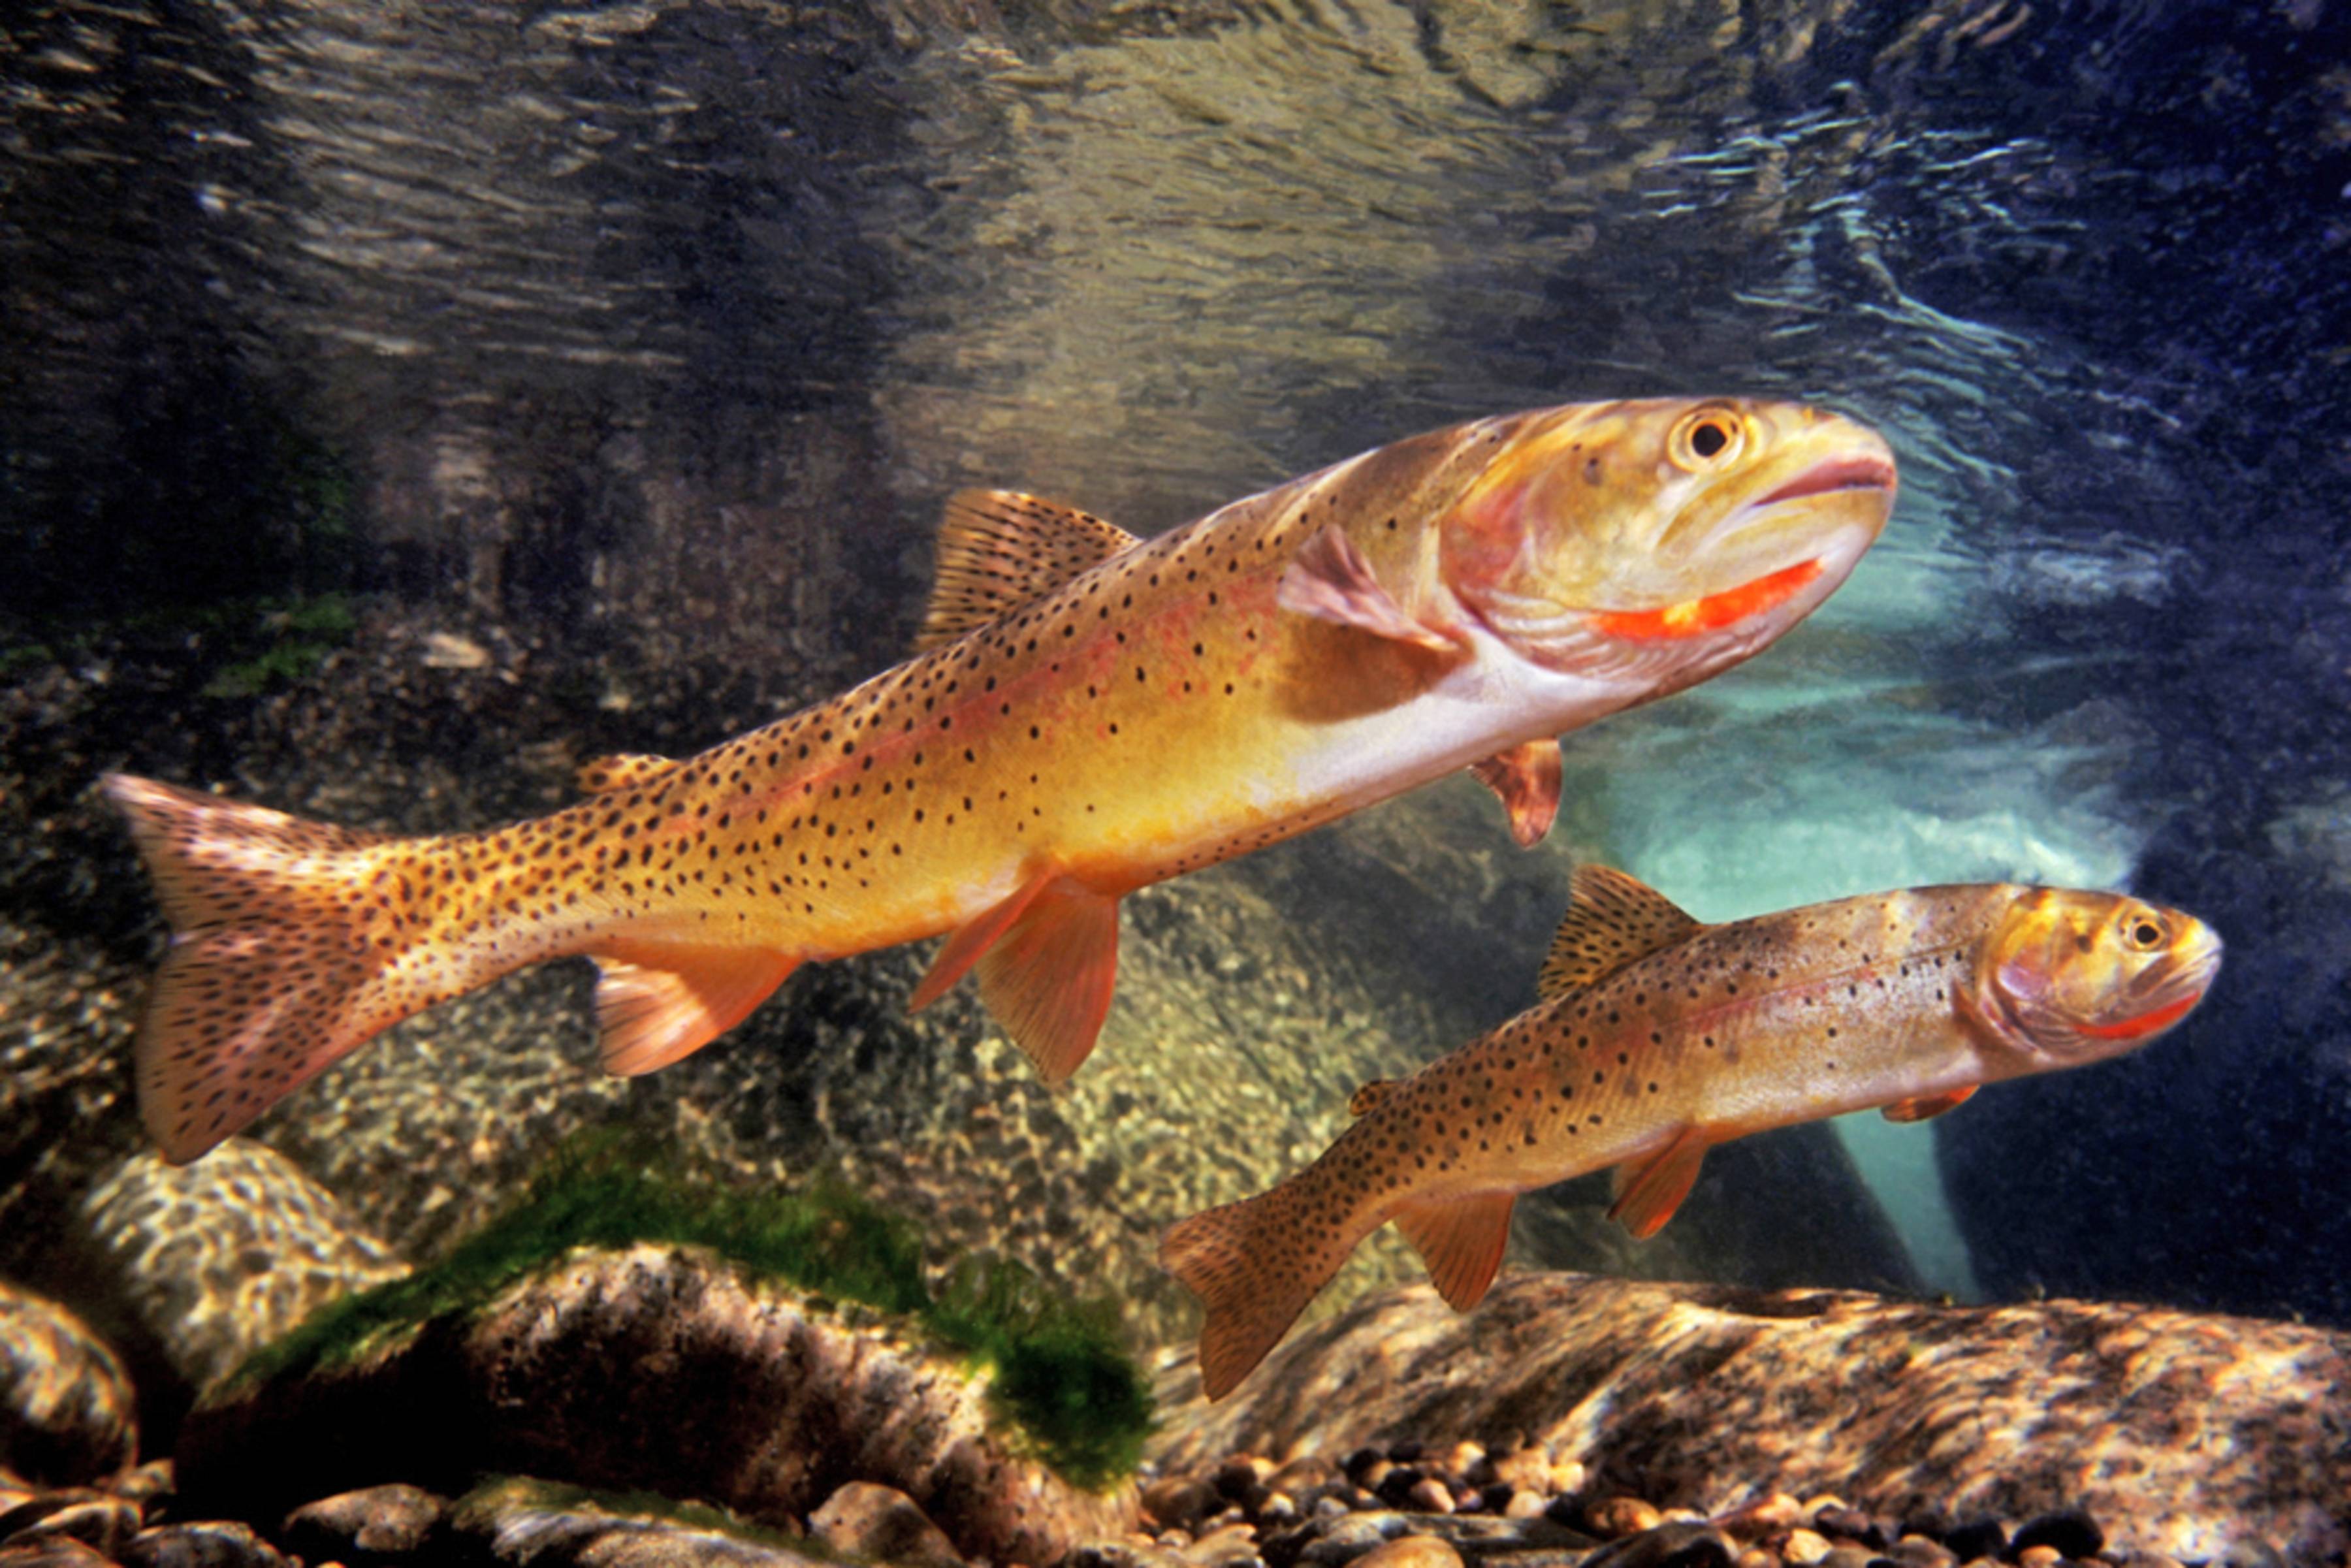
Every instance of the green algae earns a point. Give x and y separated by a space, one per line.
1063 1379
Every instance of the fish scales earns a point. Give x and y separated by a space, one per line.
1454 599
1659 1038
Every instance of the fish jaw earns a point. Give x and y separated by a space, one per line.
2071 977
1606 545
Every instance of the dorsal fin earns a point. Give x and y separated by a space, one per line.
999 549
622 770
1613 920
1369 1095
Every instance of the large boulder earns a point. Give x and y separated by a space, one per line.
2197 1437
217 1259
653 1369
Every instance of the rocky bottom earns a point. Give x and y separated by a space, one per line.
1394 1507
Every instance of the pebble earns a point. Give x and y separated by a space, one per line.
1976 1538
2042 1555
2070 1530
1803 1548
1303 1474
1411 1552
1242 1475
373 1521
1765 1516
1853 1525
1756 1557
1849 1557
1233 1546
1525 1504
1177 1499
1680 1545
104 1523
1615 1516
867 1520
1919 1551
1430 1495
214 1544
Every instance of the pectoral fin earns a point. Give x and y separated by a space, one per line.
658 1002
1048 981
1649 1191
1526 780
1919 1107
1461 1239
1330 579
1048 960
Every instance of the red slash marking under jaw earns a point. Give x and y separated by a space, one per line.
1711 613
2145 1023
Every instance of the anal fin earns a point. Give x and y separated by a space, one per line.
657 1002
1461 1239
1526 780
1649 1191
1918 1107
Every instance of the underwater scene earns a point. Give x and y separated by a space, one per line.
1175 783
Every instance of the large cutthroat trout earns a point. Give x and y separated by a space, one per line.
1658 1038
1090 713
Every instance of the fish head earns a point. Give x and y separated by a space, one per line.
1652 544
2070 977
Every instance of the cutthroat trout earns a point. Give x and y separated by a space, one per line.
1658 1038
1090 713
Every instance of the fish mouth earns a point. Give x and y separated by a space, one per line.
1859 471
2174 993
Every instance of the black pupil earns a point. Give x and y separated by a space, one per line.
2145 934
1709 439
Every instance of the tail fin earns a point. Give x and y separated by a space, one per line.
1255 1265
279 959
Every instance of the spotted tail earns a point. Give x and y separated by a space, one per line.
1255 1265
292 944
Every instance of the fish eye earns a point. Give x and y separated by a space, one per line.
2146 933
1706 439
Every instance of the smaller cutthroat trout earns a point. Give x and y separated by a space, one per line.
1658 1038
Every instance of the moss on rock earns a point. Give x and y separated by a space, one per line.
1062 1379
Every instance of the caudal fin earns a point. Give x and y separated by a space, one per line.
1255 1265
281 958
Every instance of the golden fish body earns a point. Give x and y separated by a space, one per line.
1659 1038
1091 713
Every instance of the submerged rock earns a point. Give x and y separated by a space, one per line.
2193 1435
522 1521
68 1414
653 1369
219 1258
